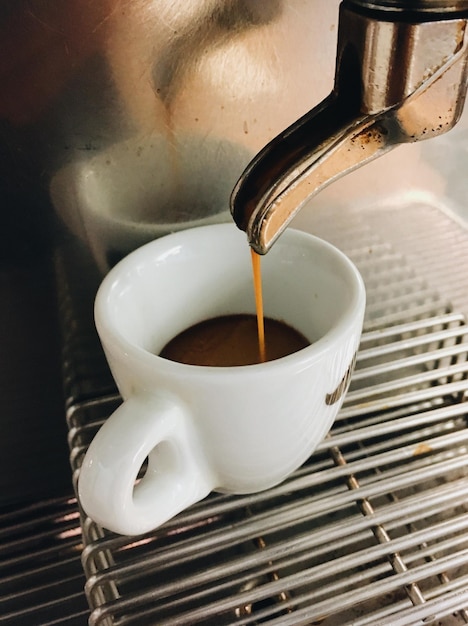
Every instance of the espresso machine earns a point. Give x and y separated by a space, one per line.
122 121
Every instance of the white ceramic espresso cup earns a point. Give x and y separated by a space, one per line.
230 429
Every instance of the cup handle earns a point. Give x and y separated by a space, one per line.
177 474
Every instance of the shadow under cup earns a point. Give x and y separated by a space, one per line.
231 429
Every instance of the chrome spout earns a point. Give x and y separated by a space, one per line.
401 76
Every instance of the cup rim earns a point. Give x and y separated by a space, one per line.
309 354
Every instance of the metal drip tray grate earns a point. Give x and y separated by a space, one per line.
41 578
373 529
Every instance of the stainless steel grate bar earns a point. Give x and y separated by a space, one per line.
391 514
41 580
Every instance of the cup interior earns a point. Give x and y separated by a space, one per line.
174 282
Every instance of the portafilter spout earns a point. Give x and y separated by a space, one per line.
401 76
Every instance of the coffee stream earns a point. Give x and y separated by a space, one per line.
257 280
238 339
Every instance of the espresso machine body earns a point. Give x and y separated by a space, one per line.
121 122
124 120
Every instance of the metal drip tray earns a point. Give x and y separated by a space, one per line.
373 529
41 578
